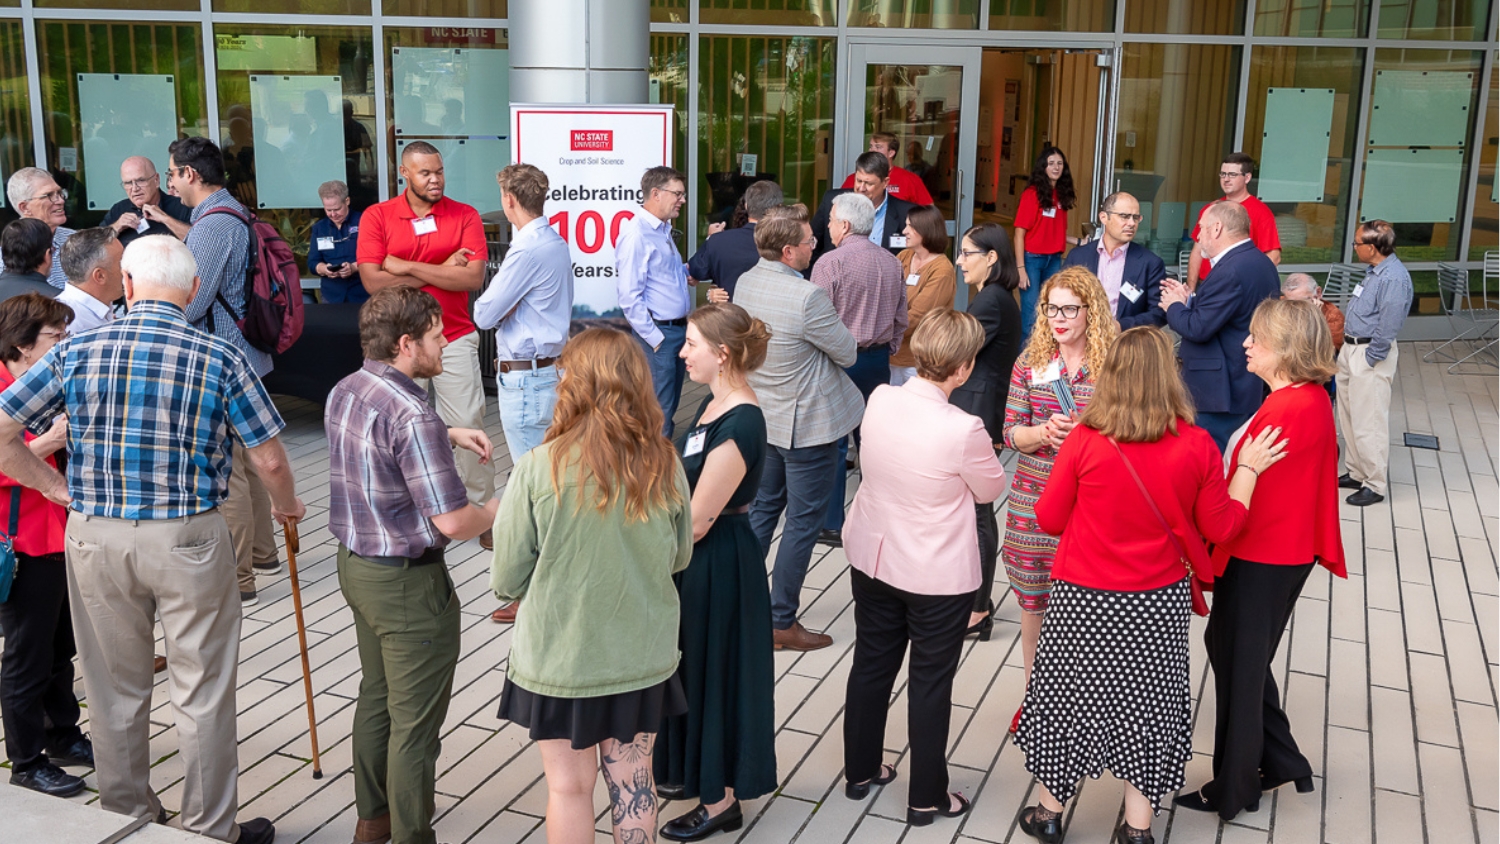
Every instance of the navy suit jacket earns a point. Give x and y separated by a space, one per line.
725 257
895 221
1214 324
1142 268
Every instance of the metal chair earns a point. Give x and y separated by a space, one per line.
1473 323
1342 279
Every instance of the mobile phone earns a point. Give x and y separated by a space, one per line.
339 267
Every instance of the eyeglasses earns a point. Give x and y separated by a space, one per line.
59 335
677 193
1050 310
140 183
176 172
1133 218
965 253
1227 175
58 195
812 240
1359 243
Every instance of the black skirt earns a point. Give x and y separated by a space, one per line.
587 721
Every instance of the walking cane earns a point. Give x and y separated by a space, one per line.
290 532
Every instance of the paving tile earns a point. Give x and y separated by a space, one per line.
1419 615
1347 787
1466 660
1478 727
1346 616
1309 639
1398 817
1433 700
1392 737
1445 796
1348 685
1488 824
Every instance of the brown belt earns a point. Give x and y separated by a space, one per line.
735 511
524 365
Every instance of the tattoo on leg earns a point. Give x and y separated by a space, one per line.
634 836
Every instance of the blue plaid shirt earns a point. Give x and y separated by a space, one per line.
153 406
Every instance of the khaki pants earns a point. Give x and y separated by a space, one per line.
122 574
1364 414
458 395
247 511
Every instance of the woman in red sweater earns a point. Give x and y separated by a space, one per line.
1132 490
1293 523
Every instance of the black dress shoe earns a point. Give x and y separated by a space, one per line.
1365 497
697 825
48 779
831 538
1046 830
923 817
670 792
1127 834
1197 802
1304 784
861 790
257 831
79 754
1347 481
983 629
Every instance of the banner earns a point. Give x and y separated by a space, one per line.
593 157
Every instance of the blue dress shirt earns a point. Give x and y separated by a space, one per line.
877 231
343 240
530 300
650 277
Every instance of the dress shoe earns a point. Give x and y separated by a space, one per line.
257 831
831 538
697 825
861 790
1127 834
670 792
48 779
798 638
159 665
377 831
1347 481
1365 497
487 540
1196 801
506 614
78 754
1042 824
924 817
1304 784
983 629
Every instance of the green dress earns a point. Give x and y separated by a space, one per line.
727 738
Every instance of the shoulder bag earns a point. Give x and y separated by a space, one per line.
1200 605
8 546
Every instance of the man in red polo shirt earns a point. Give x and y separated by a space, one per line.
904 184
1235 173
425 240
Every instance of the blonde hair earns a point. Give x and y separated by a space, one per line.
1139 395
607 424
729 326
945 341
1296 332
1102 330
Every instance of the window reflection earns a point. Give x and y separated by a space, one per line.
15 109
1435 20
1053 15
769 12
1486 234
1327 19
915 14
1185 17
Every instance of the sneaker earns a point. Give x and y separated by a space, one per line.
248 599
78 754
273 567
257 831
48 779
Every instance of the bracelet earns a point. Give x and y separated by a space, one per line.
1247 466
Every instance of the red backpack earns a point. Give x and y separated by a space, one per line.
273 316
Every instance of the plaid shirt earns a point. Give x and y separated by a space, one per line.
221 245
868 290
390 465
153 407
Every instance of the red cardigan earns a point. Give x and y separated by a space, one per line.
1294 513
1110 538
42 524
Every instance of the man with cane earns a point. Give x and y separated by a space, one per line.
395 500
156 409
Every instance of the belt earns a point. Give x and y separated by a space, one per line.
735 511
429 557
680 321
874 347
524 365
1357 341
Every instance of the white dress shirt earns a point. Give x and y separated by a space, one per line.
88 313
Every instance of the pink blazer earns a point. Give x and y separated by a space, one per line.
925 463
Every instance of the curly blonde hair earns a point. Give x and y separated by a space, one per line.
1102 329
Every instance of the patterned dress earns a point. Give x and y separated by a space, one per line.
1028 550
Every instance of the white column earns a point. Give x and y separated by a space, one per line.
579 51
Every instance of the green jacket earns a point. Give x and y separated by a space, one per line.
600 614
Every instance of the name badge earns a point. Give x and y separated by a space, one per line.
1358 289
142 225
695 442
1053 372
1130 291
898 241
325 244
1050 212
911 280
426 225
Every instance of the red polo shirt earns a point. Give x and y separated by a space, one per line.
1262 229
41 525
904 184
390 228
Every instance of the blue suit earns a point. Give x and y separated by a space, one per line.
1142 268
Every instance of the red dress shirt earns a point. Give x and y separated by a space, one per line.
1294 512
1262 229
1110 538
390 228
40 528
903 184
1045 235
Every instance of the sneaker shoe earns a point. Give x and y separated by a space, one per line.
257 831
273 567
248 599
48 779
78 754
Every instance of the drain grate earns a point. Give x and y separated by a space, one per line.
1421 441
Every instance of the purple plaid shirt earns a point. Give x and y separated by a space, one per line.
390 465
868 290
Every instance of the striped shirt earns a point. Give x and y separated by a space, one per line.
390 465
154 407
221 245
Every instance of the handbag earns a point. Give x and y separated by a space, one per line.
1200 605
8 546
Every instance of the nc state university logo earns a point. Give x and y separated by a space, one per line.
592 139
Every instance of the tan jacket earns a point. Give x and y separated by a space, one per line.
935 287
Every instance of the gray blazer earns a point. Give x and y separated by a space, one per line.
805 395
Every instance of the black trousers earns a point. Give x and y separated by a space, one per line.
885 619
989 551
1252 604
36 669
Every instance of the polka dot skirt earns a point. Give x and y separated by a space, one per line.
1109 689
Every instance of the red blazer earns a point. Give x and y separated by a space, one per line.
1110 538
42 524
1294 513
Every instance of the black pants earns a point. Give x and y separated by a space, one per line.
36 669
1252 604
989 550
885 619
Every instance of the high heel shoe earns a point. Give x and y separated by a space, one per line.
1197 802
1304 784
861 790
985 627
923 817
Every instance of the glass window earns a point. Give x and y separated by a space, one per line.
282 89
668 72
915 14
1053 15
1176 123
295 7
110 91
1300 126
1418 152
770 97
669 11
154 5
15 108
1486 233
446 8
1434 20
1309 18
768 12
1185 17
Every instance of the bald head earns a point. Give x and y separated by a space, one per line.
141 182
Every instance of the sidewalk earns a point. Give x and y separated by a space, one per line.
1390 678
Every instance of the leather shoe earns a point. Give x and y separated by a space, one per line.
697 825
1196 801
79 754
798 638
377 831
924 817
487 540
48 779
257 831
1347 481
1127 834
831 538
159 665
670 792
861 790
1047 830
1304 784
1365 497
506 614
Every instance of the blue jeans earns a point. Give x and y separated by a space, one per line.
526 399
667 370
795 480
1221 426
334 291
871 369
1039 268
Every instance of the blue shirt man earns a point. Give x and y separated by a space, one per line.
331 255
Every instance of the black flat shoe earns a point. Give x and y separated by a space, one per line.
1348 482
861 790
831 538
1127 834
1197 802
79 754
697 825
923 817
1304 784
670 792
1046 830
48 779
1365 497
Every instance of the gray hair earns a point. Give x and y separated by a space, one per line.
334 189
160 261
762 197
85 250
857 210
18 188
1301 281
